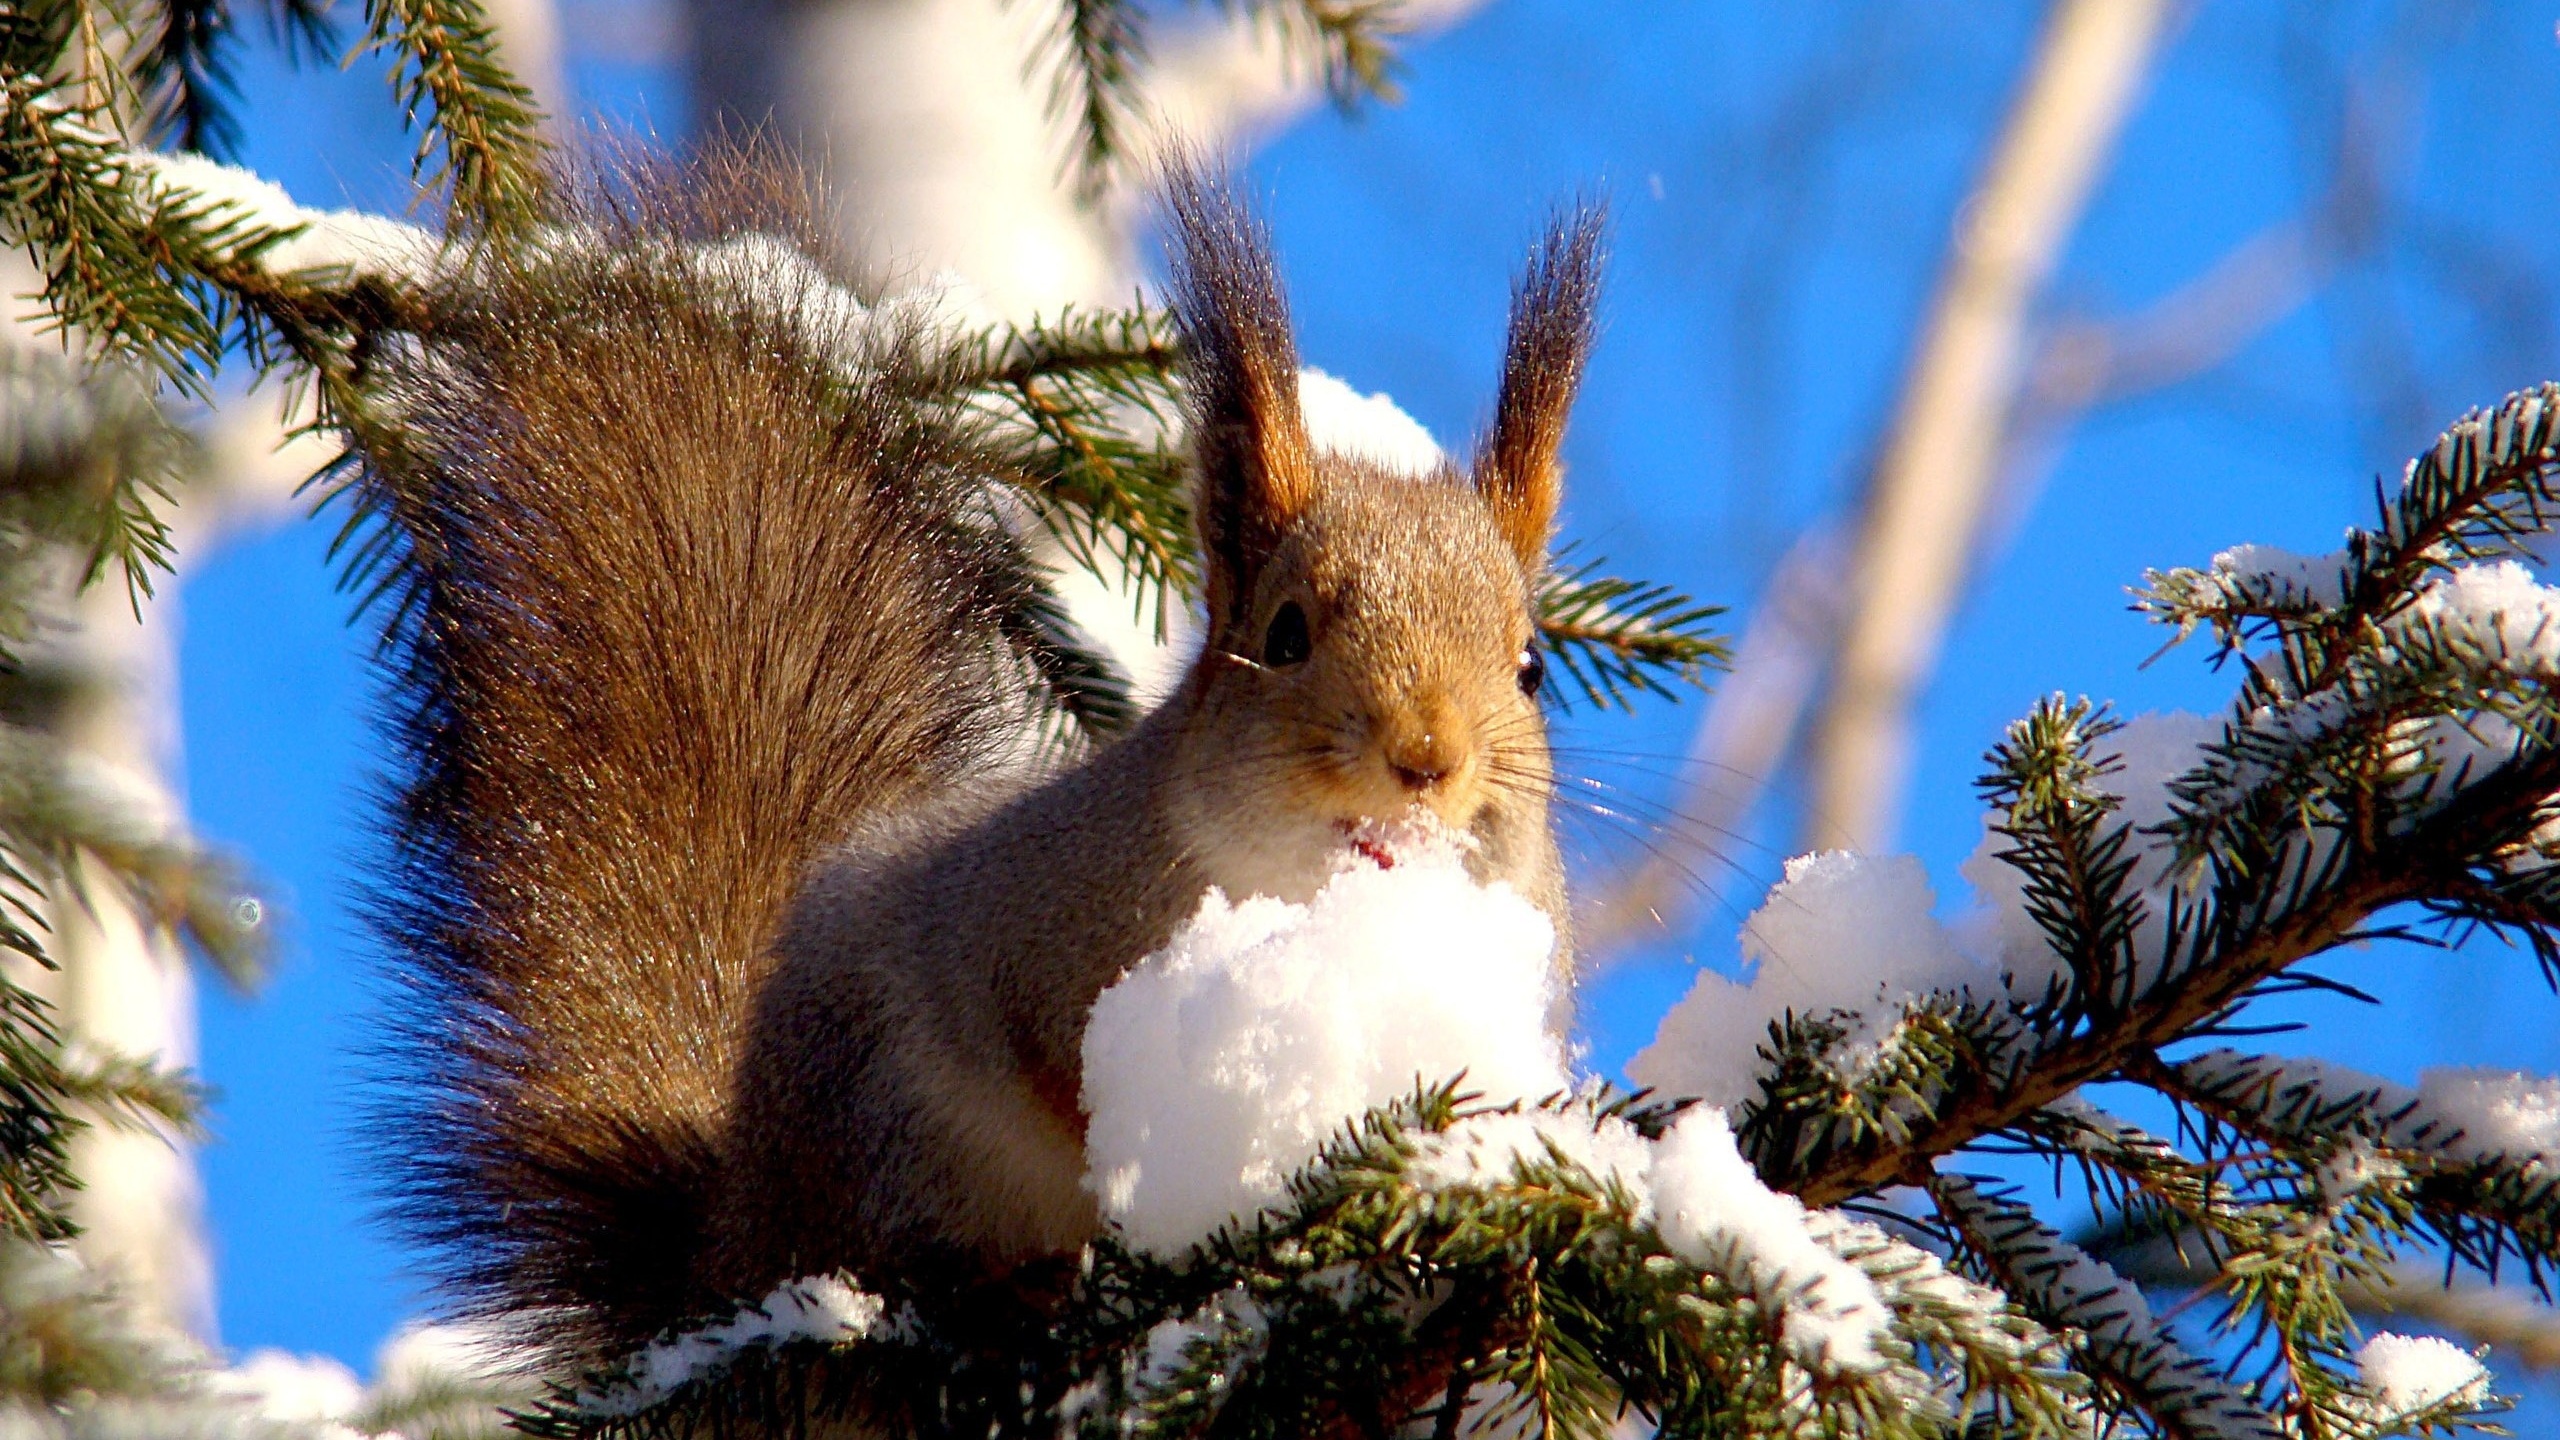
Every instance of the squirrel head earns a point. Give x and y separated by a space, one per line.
1371 656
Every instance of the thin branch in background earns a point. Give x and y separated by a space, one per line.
1936 464
2080 365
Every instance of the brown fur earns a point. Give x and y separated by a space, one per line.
724 969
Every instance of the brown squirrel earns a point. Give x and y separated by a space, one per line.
720 958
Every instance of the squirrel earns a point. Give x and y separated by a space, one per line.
721 952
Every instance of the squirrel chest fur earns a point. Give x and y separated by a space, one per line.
723 961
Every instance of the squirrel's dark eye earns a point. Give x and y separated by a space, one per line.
1286 642
1533 669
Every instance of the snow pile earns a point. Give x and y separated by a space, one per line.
1845 935
299 1390
1231 1313
1712 1210
361 245
2264 573
1492 1149
1370 427
2502 1113
2496 608
818 1307
421 1356
2405 1374
1221 1063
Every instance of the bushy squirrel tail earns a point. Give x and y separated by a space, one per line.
691 577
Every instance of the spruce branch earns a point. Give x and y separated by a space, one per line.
1617 638
478 128
123 260
1097 56
133 1093
2292 837
2077 861
1081 406
2485 1206
185 73
2137 1365
1099 51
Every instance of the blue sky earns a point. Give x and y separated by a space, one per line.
1790 167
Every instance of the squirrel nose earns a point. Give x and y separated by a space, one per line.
1421 759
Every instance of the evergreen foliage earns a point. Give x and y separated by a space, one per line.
1100 55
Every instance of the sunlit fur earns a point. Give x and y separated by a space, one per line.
731 949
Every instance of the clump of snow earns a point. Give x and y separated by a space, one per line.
2405 1374
1842 934
1230 1312
768 275
2264 573
818 1307
302 1389
1712 1210
1371 427
2352 1169
1490 1149
1220 1063
2501 1112
2498 608
348 240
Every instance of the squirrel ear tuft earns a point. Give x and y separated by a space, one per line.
1552 309
1257 473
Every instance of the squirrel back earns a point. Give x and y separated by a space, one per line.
692 588
723 960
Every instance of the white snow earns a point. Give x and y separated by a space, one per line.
2498 608
1491 1149
2264 572
1842 933
2352 1169
817 1307
1220 1063
2466 1115
1371 427
2501 1112
2409 1373
301 1389
1231 1311
1712 1210
419 1355
351 240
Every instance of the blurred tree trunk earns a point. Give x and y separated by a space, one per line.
123 984
1915 534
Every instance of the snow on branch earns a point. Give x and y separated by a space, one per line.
1218 1065
2411 1385
823 1308
2475 1153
